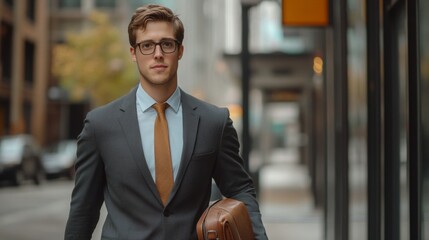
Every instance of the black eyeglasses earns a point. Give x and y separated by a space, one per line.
148 47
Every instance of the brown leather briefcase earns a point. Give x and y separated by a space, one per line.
226 219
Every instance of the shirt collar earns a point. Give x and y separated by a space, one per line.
145 101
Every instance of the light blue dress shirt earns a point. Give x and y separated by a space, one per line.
146 115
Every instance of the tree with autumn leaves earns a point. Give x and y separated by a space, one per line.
94 63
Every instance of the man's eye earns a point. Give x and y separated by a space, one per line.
147 45
167 44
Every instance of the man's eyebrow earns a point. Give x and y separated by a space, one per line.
165 38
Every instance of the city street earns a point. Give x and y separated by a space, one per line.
32 212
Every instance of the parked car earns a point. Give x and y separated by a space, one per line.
20 159
59 159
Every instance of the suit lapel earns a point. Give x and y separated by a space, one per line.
190 129
130 128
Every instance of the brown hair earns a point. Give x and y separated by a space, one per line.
154 13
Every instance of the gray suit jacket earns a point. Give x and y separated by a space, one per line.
111 167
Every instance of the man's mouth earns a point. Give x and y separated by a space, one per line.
159 66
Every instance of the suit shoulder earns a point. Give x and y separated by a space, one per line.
205 106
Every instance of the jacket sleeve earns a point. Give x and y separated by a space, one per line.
87 195
233 180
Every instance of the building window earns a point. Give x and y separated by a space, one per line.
6 46
31 9
29 62
9 2
28 110
69 4
4 116
105 3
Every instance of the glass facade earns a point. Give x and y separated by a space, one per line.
424 94
397 118
381 194
357 114
403 151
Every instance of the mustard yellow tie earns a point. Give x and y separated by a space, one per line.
163 166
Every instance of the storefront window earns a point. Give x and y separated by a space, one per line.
358 165
402 73
424 93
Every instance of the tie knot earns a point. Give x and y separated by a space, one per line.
160 107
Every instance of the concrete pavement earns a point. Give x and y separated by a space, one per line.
286 203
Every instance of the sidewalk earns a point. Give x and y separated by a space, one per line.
286 203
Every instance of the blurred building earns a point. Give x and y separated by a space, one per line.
30 99
72 17
24 64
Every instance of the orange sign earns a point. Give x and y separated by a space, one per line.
305 13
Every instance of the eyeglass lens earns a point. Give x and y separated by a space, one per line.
148 47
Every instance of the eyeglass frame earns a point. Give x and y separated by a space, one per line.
177 44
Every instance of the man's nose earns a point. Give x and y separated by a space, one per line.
158 51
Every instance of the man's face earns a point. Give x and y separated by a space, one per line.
157 69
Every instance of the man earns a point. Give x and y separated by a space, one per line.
119 149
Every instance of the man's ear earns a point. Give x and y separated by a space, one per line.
181 50
133 54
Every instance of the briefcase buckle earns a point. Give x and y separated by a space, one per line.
212 235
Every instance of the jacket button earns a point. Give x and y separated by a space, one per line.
166 213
